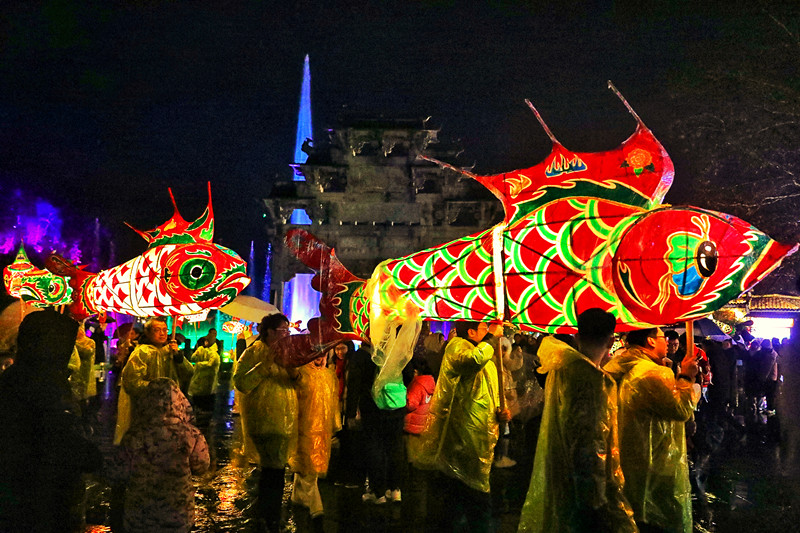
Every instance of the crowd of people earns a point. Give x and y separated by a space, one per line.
607 439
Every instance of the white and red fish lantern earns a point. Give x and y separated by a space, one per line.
182 273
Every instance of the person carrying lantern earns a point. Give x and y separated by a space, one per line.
577 480
654 406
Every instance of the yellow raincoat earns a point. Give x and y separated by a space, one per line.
462 429
206 366
145 364
83 381
269 403
653 408
577 480
318 404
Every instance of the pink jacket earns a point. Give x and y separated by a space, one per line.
418 401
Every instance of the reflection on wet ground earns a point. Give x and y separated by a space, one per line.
746 488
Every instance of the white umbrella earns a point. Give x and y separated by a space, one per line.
249 308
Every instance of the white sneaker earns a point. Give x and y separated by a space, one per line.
381 500
368 497
505 462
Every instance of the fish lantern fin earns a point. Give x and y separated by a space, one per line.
638 172
176 230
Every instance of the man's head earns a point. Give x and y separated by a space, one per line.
596 328
652 340
156 331
273 327
473 331
46 338
211 335
673 341
766 344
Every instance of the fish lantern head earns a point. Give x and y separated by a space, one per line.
676 264
40 288
204 273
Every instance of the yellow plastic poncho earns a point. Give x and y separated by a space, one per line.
318 404
577 480
145 364
74 368
206 367
83 382
653 408
269 402
462 429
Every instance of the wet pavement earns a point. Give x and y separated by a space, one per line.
746 489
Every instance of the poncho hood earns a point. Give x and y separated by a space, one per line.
162 403
555 354
621 364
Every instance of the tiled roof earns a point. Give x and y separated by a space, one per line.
768 302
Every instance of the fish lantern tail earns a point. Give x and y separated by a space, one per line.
78 278
338 287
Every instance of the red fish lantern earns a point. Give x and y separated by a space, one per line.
581 230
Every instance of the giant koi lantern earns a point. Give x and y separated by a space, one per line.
182 273
581 230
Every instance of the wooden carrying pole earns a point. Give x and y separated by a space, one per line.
689 338
499 365
174 328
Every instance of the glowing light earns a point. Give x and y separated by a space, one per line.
266 285
300 218
300 301
768 328
303 120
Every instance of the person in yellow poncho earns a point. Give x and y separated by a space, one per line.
318 406
156 357
203 387
654 406
84 385
269 403
463 426
576 485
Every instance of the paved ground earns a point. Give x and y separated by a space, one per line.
745 487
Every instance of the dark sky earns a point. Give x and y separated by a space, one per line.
104 106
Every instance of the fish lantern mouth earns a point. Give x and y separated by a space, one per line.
237 281
768 261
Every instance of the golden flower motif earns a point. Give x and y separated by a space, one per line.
639 158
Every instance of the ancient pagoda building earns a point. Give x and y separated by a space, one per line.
364 191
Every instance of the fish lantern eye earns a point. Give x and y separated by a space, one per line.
52 288
706 258
197 273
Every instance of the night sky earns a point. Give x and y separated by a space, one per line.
104 106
